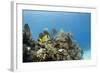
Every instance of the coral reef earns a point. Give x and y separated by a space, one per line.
50 46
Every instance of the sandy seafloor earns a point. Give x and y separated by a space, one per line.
87 55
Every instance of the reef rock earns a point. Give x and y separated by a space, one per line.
54 46
28 44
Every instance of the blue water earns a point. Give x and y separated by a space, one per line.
87 54
79 24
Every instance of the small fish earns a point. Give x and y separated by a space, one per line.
44 39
